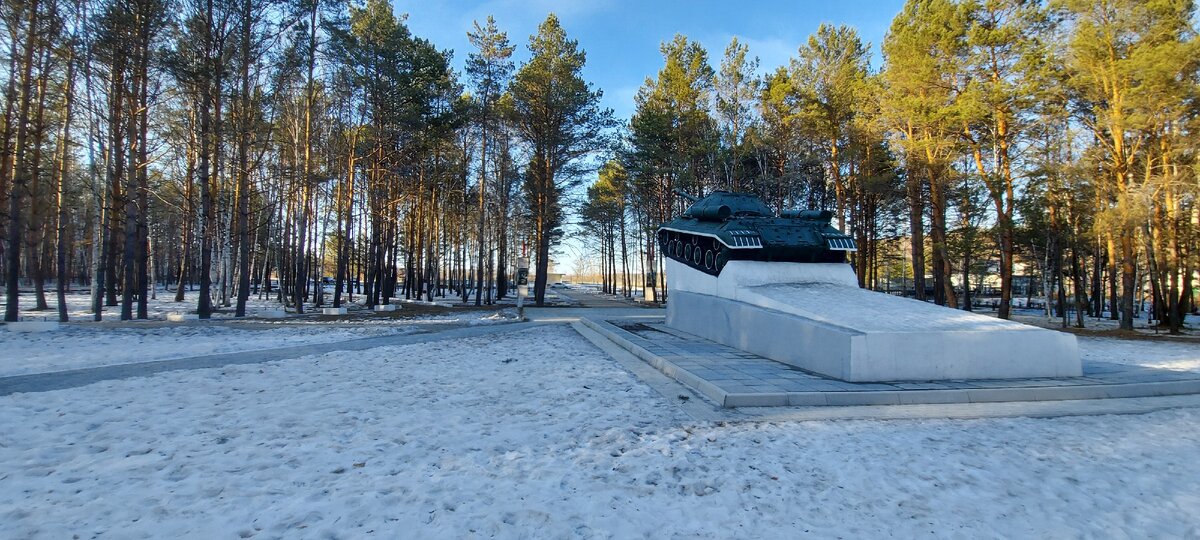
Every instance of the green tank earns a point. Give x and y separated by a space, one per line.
726 226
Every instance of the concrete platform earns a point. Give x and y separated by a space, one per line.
384 308
815 317
333 311
734 378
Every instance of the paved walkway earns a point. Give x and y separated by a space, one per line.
42 382
734 378
702 409
571 314
592 299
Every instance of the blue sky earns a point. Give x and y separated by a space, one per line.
622 37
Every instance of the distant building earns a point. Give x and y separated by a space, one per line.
552 275
895 274
987 283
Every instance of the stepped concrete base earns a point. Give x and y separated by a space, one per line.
182 317
733 378
273 314
814 317
383 308
333 311
32 326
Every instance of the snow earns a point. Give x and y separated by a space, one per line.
79 307
1140 323
1161 354
537 433
869 310
86 345
828 293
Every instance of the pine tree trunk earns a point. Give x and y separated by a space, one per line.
482 212
1128 280
37 227
243 166
61 240
21 178
207 180
188 214
129 253
943 288
916 225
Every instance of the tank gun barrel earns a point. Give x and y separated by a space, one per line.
685 195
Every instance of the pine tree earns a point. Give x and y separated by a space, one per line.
558 116
1125 64
830 76
489 68
923 52
736 90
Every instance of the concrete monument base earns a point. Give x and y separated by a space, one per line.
383 308
815 317
333 311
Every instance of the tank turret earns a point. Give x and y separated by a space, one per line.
726 226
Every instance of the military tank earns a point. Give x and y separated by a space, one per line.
726 226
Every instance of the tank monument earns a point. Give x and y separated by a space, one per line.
779 286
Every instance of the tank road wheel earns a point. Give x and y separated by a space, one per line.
709 259
721 258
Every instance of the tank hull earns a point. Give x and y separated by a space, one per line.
735 227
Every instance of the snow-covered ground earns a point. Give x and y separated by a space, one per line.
867 310
1140 323
83 345
79 308
1161 354
538 434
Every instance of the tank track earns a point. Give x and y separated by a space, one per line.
702 253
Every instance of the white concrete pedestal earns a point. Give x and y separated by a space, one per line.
32 326
384 308
333 311
814 316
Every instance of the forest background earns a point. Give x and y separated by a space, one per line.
243 147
